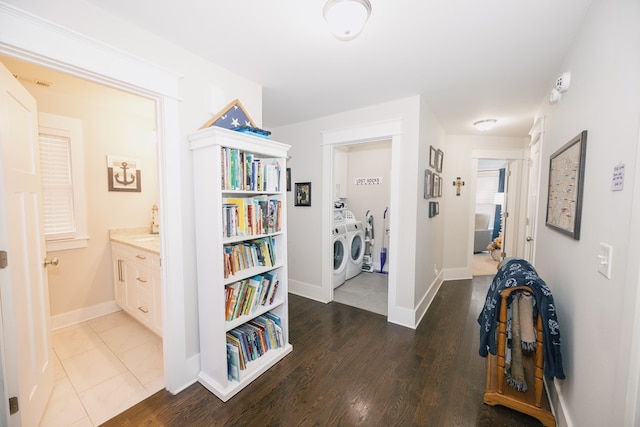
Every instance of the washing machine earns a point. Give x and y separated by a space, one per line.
355 243
340 254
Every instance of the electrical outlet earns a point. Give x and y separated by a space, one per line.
604 260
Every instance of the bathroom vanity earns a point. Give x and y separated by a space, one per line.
135 254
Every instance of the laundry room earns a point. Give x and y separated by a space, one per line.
362 174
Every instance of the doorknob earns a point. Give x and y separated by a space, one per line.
52 261
529 239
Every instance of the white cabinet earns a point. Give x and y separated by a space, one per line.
240 240
137 284
340 173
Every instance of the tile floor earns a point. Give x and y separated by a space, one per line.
368 291
103 366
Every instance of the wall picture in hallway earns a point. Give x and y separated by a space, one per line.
303 194
566 182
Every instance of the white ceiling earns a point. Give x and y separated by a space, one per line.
471 59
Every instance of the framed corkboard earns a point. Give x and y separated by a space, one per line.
566 186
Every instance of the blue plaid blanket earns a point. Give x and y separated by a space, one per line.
518 272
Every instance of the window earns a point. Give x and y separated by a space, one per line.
62 174
486 187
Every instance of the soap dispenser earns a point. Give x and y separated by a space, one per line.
155 226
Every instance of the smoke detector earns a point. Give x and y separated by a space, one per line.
562 82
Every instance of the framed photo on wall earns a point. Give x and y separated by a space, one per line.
288 179
427 184
303 194
432 156
439 160
566 182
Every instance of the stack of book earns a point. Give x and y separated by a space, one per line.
250 341
245 255
243 171
245 296
248 216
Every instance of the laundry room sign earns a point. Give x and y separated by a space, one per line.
369 180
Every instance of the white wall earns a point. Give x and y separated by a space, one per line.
596 315
305 269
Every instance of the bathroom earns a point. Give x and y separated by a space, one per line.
81 286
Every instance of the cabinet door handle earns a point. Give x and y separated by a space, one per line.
120 275
141 256
141 280
144 310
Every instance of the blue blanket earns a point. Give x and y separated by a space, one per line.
518 272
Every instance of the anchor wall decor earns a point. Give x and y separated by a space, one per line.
123 174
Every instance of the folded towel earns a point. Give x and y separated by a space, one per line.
527 328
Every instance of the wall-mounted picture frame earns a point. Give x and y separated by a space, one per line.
432 156
123 174
439 160
566 182
436 185
288 179
428 184
303 194
434 209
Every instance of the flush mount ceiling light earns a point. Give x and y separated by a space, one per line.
346 18
485 125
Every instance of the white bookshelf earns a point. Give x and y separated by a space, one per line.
207 148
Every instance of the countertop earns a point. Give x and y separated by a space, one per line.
137 237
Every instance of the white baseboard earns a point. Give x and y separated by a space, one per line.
458 273
427 299
558 404
307 290
82 315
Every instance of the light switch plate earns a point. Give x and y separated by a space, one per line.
604 260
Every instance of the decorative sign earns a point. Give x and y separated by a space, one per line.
372 180
617 183
123 174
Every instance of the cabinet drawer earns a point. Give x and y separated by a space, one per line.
141 257
143 308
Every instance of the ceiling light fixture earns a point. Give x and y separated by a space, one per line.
346 18
485 125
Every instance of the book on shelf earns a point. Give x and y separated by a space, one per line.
233 363
245 296
234 338
244 171
248 254
247 216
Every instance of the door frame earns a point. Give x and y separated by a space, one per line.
32 39
515 198
369 132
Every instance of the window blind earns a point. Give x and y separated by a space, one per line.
57 187
486 188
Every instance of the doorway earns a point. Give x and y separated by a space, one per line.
35 40
372 132
488 237
93 347
514 200
362 176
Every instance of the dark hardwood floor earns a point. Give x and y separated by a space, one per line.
350 367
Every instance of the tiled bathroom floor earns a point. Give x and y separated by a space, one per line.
103 366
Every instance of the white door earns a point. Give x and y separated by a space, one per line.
24 290
532 201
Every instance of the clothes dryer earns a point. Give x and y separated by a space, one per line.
340 257
355 241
